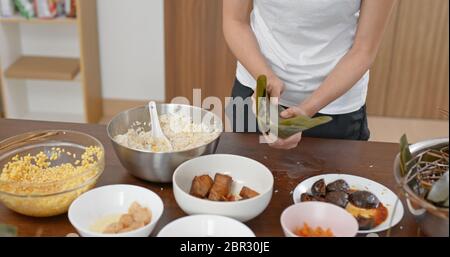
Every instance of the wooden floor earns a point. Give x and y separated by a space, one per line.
391 129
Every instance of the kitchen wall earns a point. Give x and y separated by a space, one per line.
410 76
131 35
132 49
197 55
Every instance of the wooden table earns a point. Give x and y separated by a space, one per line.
314 156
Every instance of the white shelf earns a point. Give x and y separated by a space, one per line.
29 99
40 67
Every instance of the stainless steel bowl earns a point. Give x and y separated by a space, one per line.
432 220
151 166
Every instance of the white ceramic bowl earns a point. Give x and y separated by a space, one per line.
112 200
318 214
206 226
244 171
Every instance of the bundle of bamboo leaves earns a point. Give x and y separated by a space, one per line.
426 173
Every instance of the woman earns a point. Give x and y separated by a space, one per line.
315 53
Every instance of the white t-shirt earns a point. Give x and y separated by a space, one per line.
303 40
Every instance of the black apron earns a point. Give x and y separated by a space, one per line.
351 126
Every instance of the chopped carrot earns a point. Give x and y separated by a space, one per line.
307 231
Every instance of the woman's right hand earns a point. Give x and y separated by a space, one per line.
275 87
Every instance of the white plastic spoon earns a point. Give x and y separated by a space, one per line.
157 133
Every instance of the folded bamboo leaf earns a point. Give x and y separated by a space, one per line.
7 231
263 123
306 122
287 131
285 127
261 92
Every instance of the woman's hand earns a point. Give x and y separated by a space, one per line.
275 88
286 144
292 141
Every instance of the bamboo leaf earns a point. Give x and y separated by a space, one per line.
405 156
261 85
285 127
306 122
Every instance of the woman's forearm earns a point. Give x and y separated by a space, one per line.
244 45
345 75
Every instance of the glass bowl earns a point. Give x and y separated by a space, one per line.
52 197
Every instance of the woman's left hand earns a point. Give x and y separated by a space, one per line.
288 143
292 141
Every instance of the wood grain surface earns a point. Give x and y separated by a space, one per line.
196 53
419 80
313 157
46 68
90 59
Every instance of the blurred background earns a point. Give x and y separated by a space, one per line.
86 60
